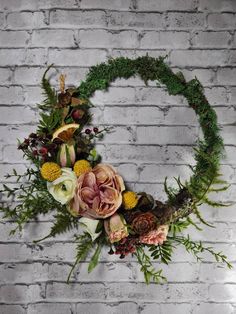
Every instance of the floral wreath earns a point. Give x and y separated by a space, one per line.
67 175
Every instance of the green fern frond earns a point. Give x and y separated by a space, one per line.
84 245
162 252
48 92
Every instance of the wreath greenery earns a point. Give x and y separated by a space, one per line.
63 152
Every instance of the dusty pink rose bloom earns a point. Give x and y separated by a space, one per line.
155 237
115 228
98 193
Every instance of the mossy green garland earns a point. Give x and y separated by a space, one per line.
209 151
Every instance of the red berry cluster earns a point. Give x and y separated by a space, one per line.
126 246
40 145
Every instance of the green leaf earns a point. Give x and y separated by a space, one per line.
84 245
48 92
94 260
162 252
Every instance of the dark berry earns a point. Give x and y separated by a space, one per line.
43 151
22 146
49 136
33 135
77 114
87 131
95 130
111 252
57 141
52 147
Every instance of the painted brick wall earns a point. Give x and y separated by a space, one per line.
153 138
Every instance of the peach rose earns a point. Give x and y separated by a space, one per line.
157 236
115 227
98 193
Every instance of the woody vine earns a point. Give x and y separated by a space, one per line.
67 177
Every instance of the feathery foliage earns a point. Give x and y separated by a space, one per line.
197 248
150 274
84 245
162 252
48 92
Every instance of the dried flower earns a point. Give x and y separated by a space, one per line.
81 167
50 171
144 223
130 199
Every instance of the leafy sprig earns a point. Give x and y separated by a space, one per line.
84 245
197 248
31 197
150 274
50 122
48 92
162 252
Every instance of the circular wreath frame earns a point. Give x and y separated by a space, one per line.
208 151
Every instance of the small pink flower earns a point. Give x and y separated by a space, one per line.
157 236
99 192
115 228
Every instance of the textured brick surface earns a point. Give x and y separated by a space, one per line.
153 138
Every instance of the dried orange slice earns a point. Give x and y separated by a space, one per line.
65 132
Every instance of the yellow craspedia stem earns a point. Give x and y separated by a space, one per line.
50 171
130 199
81 166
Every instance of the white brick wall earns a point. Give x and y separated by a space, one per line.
152 140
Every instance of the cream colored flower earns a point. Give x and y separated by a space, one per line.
90 226
63 188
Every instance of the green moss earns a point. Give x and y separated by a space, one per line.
209 150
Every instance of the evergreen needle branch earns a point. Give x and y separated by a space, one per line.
196 248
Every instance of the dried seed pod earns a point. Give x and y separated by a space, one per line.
64 99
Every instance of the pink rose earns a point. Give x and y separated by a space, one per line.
157 236
98 193
116 228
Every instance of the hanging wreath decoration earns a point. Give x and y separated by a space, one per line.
67 175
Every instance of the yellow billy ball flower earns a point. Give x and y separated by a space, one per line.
130 199
81 166
50 171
